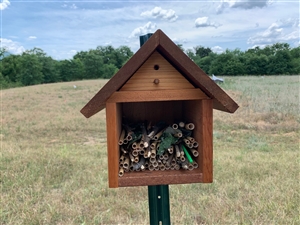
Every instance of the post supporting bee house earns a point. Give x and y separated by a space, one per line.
160 83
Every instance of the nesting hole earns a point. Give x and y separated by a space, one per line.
156 67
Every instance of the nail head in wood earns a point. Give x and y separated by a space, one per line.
156 81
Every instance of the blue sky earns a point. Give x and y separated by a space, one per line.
62 28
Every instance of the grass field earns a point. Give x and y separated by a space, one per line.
54 167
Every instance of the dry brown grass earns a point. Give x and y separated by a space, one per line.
54 167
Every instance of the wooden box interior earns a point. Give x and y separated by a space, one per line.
168 111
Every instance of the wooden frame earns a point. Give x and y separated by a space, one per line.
198 110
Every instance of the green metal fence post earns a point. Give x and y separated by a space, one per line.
159 205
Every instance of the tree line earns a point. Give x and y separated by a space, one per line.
36 67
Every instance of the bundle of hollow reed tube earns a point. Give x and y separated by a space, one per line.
158 147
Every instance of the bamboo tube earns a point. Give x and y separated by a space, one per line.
173 162
181 124
135 152
141 144
158 135
155 164
190 126
129 136
169 160
186 141
178 134
195 152
121 172
195 144
125 142
152 160
162 167
153 145
175 126
177 167
131 157
184 164
145 138
167 167
177 150
182 158
191 139
142 152
136 159
122 158
151 167
190 166
156 168
121 139
165 156
126 162
171 149
134 145
195 164
153 153
172 167
161 157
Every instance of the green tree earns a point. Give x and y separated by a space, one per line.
31 70
202 51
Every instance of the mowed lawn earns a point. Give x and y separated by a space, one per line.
54 165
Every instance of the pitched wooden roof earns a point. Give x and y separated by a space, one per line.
164 45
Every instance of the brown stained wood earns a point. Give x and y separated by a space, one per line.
197 76
153 87
97 103
206 141
161 43
168 111
156 67
147 178
200 113
113 129
165 95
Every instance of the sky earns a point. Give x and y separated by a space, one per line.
63 28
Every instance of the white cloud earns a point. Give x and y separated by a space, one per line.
147 28
217 49
73 6
158 12
243 4
205 22
11 46
32 37
275 33
4 4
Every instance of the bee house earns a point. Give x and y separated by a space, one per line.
160 83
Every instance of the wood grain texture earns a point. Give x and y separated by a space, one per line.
97 103
178 59
164 95
196 75
156 67
146 178
206 141
113 129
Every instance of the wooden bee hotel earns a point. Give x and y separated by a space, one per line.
159 117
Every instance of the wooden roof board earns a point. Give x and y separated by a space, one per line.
164 45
